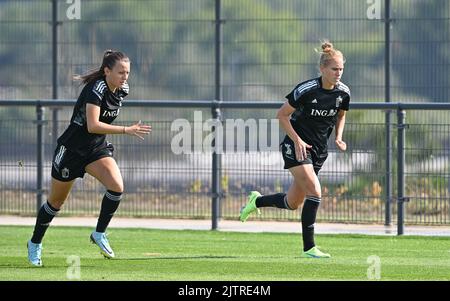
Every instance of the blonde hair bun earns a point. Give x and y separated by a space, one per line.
328 53
327 47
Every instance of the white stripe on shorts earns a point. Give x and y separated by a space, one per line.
60 155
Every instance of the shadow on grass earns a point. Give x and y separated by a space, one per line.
194 257
178 257
44 267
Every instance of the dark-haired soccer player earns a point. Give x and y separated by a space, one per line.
308 117
83 148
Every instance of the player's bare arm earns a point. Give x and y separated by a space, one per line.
283 115
340 123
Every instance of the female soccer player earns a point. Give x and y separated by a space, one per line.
83 148
308 117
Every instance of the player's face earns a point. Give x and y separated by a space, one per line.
332 73
118 75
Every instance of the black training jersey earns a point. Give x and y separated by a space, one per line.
76 137
316 110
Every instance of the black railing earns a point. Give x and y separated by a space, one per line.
216 189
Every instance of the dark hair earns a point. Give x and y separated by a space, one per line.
110 58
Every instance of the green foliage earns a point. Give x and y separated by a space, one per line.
267 47
425 50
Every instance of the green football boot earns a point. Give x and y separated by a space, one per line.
250 207
314 252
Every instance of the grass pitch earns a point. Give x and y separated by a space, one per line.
186 255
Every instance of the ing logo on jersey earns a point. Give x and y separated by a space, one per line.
114 113
323 113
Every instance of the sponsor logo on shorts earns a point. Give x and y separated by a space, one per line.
289 153
288 149
65 173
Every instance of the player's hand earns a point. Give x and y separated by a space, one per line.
341 145
138 130
300 149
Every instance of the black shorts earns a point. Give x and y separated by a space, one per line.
68 165
287 149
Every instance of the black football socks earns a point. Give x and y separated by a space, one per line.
44 217
110 203
278 200
309 213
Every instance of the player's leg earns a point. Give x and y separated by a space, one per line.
107 172
290 201
306 179
58 194
65 169
295 196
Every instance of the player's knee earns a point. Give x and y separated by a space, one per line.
314 190
117 187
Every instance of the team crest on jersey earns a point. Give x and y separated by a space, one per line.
338 101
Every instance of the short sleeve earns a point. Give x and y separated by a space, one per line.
292 100
346 97
295 98
345 103
94 93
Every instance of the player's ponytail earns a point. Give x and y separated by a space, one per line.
110 58
328 53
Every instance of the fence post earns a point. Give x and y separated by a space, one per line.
217 158
216 169
55 25
387 84
401 117
40 155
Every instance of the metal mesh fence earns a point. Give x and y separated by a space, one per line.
427 174
267 47
161 183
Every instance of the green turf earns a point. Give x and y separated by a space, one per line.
184 255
